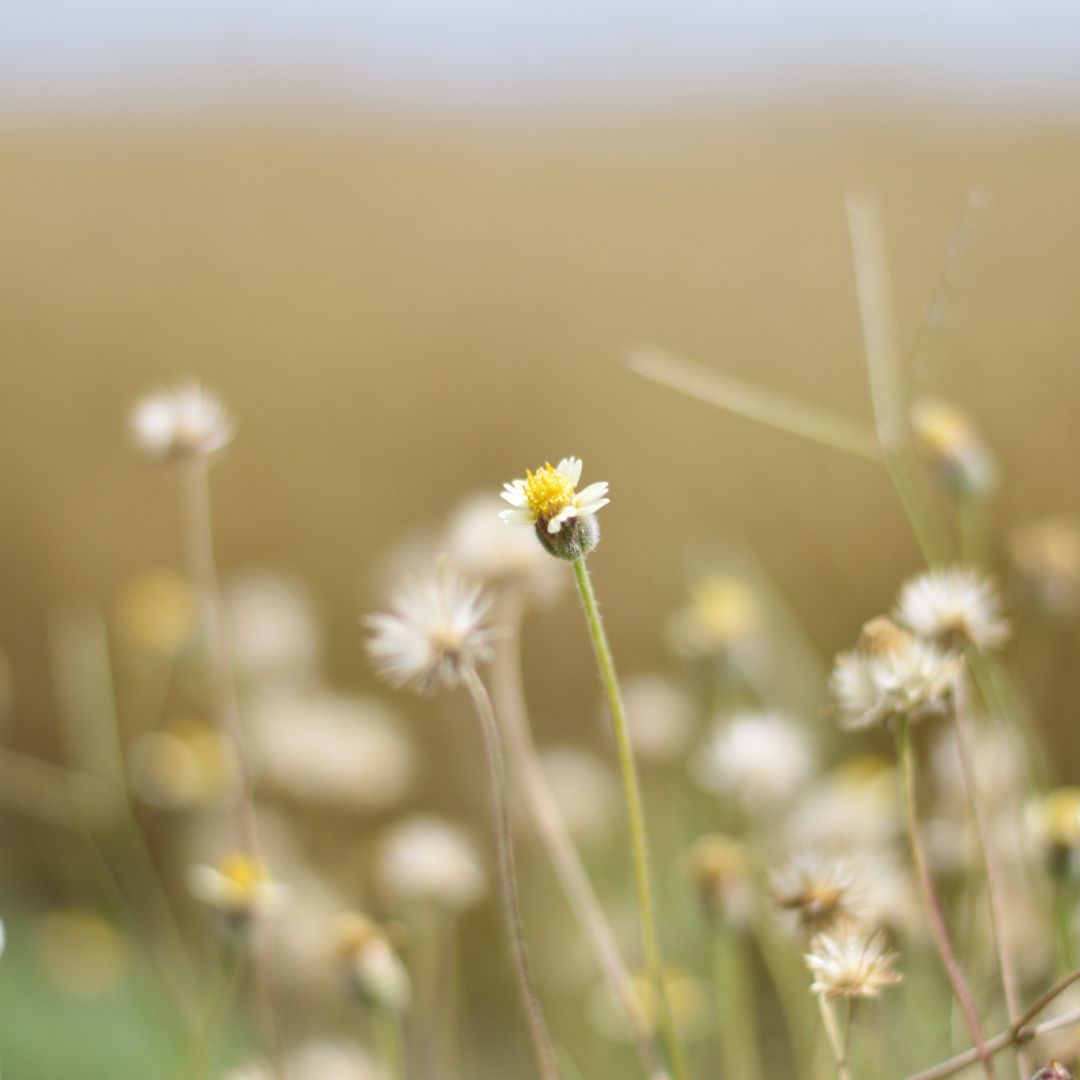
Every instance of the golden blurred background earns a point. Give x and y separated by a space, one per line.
402 315
404 312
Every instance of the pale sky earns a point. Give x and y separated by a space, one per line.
1024 53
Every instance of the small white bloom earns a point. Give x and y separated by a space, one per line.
1046 554
330 748
184 422
661 717
953 608
849 962
372 967
549 496
272 631
427 860
759 758
435 634
481 547
891 675
585 789
854 807
239 886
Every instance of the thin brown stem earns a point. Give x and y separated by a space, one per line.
1016 1034
994 880
933 906
538 1030
199 535
551 827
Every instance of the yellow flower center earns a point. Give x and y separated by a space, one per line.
244 873
548 492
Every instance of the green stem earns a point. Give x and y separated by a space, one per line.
933 906
1062 911
736 1029
391 1041
636 814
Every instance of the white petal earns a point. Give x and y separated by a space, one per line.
520 515
556 523
593 492
570 468
514 498
592 507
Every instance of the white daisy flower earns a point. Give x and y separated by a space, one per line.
760 758
427 860
549 497
435 634
851 963
186 421
239 886
955 608
891 675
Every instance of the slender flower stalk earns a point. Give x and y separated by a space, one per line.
200 540
496 761
554 834
391 1042
1018 1033
994 882
636 814
837 1042
735 1004
933 906
187 426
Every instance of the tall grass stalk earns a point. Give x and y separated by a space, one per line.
636 815
553 832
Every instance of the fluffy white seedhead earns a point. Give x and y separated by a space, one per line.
892 675
435 633
954 608
849 962
184 422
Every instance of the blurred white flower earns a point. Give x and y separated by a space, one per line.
719 869
1046 554
320 1059
238 886
892 675
815 890
479 544
272 631
436 633
855 806
186 764
586 790
428 860
330 748
373 969
183 422
661 717
852 963
758 758
953 608
947 439
723 615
